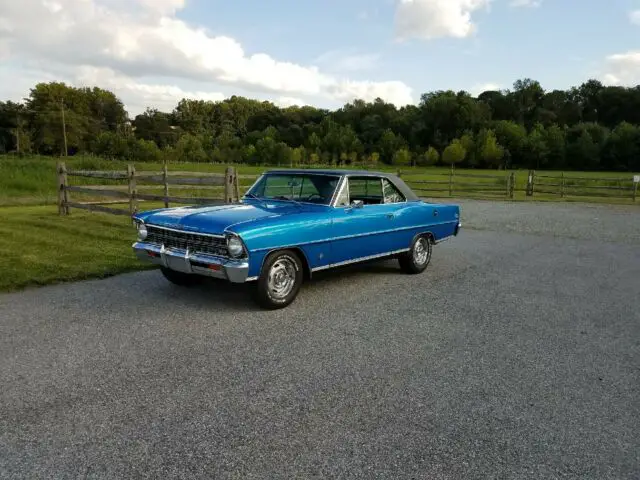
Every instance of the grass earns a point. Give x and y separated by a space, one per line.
38 247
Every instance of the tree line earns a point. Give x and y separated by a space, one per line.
589 127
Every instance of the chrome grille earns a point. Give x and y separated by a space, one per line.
195 242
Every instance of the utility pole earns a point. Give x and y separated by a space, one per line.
64 127
18 133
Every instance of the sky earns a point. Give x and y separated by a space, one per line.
152 53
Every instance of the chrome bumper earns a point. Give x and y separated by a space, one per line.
235 271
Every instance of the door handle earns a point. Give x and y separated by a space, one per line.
435 213
390 215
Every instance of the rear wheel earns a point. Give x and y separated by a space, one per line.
180 278
280 280
417 259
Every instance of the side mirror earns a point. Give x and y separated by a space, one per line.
357 204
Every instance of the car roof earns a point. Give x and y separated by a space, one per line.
331 171
392 177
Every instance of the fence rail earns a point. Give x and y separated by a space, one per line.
497 185
505 185
564 186
133 187
225 185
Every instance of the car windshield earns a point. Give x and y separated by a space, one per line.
299 187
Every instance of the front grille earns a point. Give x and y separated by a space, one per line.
195 242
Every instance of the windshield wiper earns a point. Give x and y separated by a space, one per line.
255 197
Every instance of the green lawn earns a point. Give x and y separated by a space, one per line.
38 247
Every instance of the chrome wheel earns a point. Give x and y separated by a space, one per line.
421 251
282 278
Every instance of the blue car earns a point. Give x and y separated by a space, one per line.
291 224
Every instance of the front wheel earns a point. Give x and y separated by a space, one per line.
417 259
280 280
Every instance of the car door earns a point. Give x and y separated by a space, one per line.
359 230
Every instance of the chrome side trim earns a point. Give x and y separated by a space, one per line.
346 237
360 259
251 279
213 235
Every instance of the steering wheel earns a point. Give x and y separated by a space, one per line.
320 197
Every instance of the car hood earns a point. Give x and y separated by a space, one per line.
215 219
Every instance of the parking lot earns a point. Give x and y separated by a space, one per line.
516 355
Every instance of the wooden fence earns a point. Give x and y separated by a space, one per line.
453 184
508 185
123 187
566 185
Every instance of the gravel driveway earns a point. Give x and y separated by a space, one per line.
516 355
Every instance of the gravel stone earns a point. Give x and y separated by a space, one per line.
515 355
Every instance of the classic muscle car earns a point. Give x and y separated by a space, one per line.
291 224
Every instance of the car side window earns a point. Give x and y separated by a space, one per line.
367 189
391 193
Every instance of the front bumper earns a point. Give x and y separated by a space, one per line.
235 271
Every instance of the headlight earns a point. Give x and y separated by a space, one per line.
142 231
235 247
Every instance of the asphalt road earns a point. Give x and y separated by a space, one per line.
516 355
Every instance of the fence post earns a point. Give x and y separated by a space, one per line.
530 181
512 184
399 173
133 204
451 181
635 190
165 182
236 184
63 193
228 179
561 184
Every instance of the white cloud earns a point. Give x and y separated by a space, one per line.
634 17
347 90
430 19
622 69
137 95
285 102
484 87
144 38
525 3
347 60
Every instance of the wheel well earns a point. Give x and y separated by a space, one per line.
303 258
429 235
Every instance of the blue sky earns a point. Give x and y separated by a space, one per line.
318 52
560 42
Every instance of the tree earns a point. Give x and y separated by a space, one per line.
454 153
490 151
402 157
429 158
189 149
622 151
586 126
536 147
